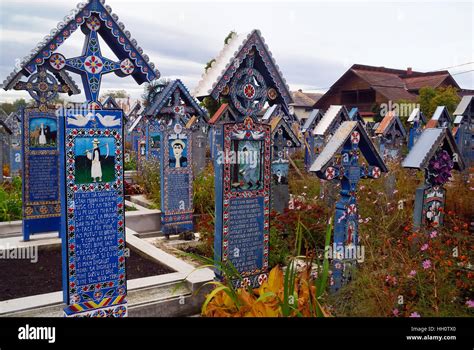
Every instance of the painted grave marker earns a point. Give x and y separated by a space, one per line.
392 136
168 114
283 138
463 128
340 161
417 120
245 74
40 162
437 154
93 217
309 142
92 198
327 126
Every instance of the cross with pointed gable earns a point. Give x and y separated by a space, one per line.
178 109
43 87
92 65
339 161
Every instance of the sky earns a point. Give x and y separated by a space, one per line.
313 42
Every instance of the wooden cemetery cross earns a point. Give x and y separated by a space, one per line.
437 154
13 122
440 119
40 163
463 129
339 160
392 136
308 137
247 79
328 125
4 135
173 108
417 120
91 149
283 138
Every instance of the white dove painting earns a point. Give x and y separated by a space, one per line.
80 120
108 120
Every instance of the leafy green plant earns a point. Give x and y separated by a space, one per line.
11 200
149 179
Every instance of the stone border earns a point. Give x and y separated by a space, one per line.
174 294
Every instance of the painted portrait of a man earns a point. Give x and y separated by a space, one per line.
178 153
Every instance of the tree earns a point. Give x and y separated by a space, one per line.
153 89
9 107
429 98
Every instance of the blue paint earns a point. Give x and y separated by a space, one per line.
176 179
93 214
40 191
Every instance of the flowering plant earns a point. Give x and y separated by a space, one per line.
439 168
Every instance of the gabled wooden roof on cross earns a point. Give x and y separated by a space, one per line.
429 142
231 62
416 115
355 115
440 118
336 143
223 115
329 120
169 101
280 123
99 20
313 119
391 121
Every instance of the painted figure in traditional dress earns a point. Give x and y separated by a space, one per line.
42 136
179 161
94 156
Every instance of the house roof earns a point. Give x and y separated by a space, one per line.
304 99
237 47
394 84
117 37
337 141
329 118
389 121
462 107
429 142
313 118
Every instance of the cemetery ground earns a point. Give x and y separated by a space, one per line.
402 273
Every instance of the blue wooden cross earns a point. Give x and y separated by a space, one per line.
92 65
339 160
346 234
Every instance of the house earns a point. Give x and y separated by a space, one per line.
367 87
303 103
